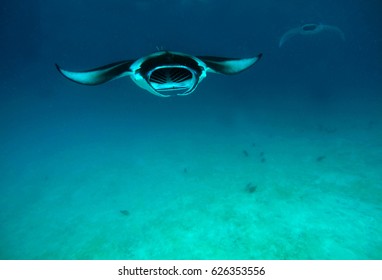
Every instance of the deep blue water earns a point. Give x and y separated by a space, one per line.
74 157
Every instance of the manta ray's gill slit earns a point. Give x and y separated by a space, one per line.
159 77
167 75
180 76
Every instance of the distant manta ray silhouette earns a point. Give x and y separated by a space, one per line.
163 73
309 29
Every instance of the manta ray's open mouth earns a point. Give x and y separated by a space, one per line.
171 78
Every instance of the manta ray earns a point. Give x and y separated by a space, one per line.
309 29
163 73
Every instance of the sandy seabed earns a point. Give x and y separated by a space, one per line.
211 191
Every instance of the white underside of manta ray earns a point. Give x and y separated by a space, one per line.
163 73
310 29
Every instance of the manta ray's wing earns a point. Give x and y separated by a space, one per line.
99 75
334 29
289 34
228 66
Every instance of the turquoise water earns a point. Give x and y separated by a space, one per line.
185 184
283 161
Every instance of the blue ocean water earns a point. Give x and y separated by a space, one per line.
282 161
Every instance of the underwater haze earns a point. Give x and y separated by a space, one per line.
282 161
